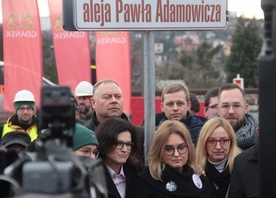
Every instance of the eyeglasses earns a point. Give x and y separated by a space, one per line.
222 142
215 106
121 144
88 151
181 148
22 109
226 107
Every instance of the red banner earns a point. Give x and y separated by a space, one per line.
72 50
113 61
22 49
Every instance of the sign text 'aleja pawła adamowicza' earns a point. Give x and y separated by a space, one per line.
150 14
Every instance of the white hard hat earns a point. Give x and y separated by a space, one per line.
84 88
24 95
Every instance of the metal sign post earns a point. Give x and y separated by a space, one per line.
149 89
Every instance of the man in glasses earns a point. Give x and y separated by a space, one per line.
24 118
211 103
233 107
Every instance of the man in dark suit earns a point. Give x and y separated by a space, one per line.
245 179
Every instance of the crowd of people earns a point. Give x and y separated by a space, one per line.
189 156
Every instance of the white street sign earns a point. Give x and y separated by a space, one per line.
150 14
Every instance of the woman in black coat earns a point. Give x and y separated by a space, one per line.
216 150
172 170
117 145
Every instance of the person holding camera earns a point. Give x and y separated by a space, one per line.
12 145
24 118
17 141
53 163
117 145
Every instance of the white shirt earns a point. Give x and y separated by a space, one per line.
119 180
219 165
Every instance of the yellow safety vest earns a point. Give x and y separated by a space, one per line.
32 131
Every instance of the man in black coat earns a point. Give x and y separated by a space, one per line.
175 106
245 179
108 103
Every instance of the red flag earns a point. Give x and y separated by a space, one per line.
22 49
72 50
113 61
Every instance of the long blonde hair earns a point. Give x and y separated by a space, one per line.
205 133
168 127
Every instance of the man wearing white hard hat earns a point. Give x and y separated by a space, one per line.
24 118
84 94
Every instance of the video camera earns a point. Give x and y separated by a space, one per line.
56 170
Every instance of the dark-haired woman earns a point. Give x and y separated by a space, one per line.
117 143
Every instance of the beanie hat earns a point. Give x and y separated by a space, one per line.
83 136
19 104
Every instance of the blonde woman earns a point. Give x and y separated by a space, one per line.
216 151
172 170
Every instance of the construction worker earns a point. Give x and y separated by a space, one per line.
84 94
24 118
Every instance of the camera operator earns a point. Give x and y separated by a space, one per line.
56 170
6 159
12 145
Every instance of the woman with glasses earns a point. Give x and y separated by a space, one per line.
85 142
172 169
216 150
117 140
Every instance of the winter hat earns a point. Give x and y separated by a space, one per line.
83 136
19 104
16 137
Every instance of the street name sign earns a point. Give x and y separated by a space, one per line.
149 14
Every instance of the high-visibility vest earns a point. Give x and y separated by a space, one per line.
32 131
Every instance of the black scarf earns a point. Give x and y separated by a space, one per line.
221 180
24 126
